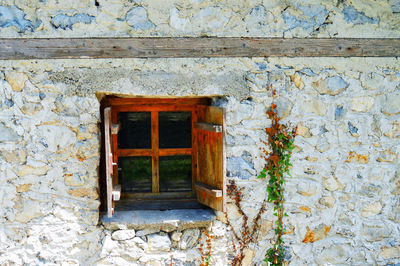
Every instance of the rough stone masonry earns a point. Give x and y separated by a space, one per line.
343 200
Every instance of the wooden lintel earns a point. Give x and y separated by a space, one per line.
163 47
217 193
208 127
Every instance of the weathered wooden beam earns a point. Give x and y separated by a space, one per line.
216 193
62 48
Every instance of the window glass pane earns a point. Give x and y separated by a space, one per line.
175 129
135 132
175 173
134 174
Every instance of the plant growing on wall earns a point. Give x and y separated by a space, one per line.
277 163
206 251
247 234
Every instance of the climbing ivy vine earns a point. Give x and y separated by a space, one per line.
277 163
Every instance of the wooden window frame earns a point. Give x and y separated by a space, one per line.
207 151
154 106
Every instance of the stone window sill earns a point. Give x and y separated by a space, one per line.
167 221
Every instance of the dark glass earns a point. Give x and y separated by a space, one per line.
175 173
175 130
134 174
135 131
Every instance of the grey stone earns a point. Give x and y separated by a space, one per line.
146 232
323 130
177 262
336 84
123 234
322 146
13 16
189 238
376 127
328 201
284 106
30 210
132 250
12 156
372 81
352 128
159 220
314 106
16 79
331 86
239 167
176 21
138 241
176 236
7 134
108 246
279 80
31 108
309 17
332 183
338 112
351 15
395 6
371 209
210 18
56 137
287 253
64 21
43 142
371 190
159 242
284 67
137 18
257 18
261 66
362 104
375 232
395 214
391 105
244 111
387 156
335 255
345 231
9 102
308 72
239 140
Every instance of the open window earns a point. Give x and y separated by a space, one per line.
162 150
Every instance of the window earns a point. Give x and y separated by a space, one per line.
157 149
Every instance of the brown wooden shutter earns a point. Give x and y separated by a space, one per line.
113 190
210 181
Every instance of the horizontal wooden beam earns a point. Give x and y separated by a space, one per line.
208 127
216 193
61 48
150 47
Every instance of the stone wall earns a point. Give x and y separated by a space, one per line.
343 201
345 185
268 18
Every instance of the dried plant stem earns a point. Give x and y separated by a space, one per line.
247 234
